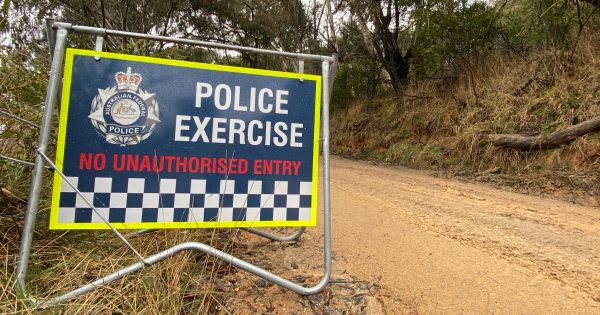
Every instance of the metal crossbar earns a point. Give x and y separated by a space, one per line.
57 37
107 32
23 120
11 159
288 238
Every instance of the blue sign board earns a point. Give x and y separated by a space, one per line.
157 143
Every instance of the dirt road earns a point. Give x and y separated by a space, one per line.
443 246
408 243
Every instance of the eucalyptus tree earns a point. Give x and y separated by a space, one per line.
420 36
381 23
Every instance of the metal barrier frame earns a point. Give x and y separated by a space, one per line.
57 43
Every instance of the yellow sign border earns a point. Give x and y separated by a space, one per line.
62 131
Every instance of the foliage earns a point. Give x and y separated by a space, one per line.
22 87
402 151
443 126
358 75
379 42
529 23
273 24
447 33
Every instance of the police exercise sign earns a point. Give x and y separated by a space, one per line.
158 143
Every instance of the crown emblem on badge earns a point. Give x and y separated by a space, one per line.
128 81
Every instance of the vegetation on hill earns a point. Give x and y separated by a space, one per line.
528 68
445 125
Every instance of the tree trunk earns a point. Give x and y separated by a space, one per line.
331 26
394 62
548 141
383 41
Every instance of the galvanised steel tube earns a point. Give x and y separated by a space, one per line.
326 175
36 179
8 158
274 237
51 33
15 117
104 32
334 66
190 246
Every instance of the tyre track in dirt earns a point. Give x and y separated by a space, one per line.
445 246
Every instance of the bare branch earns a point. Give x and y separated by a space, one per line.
548 141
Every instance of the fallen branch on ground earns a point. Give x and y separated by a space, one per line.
548 141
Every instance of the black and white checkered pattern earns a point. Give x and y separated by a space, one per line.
140 200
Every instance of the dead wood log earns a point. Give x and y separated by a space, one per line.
551 140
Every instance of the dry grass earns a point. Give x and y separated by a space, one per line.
62 261
444 124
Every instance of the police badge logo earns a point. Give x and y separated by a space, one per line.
125 114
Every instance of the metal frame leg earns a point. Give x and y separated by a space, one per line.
192 246
38 172
273 237
289 238
140 232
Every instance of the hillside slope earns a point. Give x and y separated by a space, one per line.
444 123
